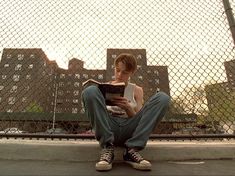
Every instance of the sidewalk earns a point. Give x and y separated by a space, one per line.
47 157
160 168
88 150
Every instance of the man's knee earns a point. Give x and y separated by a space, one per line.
164 98
90 92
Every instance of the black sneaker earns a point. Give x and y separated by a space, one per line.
133 158
106 159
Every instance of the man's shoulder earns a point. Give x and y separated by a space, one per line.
136 87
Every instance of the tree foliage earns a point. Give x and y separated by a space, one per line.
192 100
221 102
34 107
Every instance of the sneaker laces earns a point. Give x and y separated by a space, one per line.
135 155
107 154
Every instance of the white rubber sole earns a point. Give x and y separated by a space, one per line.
137 166
103 167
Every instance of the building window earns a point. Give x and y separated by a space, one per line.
31 56
93 75
59 110
24 99
74 110
100 76
61 84
157 81
18 67
28 76
13 89
228 90
114 56
76 84
60 93
6 65
59 101
10 110
77 76
76 93
75 101
20 56
4 76
16 77
1 87
30 66
156 72
85 76
62 75
8 56
138 56
82 111
11 100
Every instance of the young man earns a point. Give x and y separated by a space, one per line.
128 123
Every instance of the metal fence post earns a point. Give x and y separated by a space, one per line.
230 17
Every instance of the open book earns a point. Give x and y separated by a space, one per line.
108 90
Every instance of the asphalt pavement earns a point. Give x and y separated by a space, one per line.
160 168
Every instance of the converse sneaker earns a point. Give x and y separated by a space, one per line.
106 159
133 158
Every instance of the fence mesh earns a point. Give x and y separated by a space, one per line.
48 48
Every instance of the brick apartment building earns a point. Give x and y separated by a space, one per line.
27 76
69 85
230 72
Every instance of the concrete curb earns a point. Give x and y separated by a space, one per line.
88 150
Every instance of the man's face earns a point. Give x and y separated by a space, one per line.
121 74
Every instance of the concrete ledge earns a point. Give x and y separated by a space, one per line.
88 150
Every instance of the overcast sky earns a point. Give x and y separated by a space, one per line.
191 37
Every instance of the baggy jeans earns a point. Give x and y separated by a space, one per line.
131 132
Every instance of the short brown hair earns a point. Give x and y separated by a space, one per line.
129 60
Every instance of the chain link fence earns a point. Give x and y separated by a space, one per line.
184 48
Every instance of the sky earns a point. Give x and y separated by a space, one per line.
191 37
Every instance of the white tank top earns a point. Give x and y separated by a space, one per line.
129 94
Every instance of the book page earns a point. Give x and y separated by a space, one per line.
90 81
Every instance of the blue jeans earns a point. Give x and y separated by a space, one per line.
130 132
